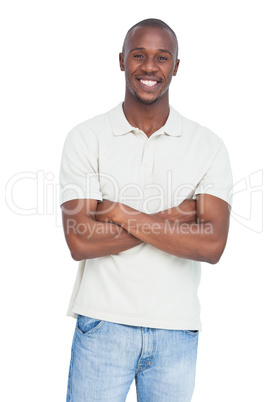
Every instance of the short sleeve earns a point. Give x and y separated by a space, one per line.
79 167
218 181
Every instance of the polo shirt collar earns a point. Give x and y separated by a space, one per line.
120 125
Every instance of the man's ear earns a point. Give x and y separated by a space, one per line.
121 62
176 67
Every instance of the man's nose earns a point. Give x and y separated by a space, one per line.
149 65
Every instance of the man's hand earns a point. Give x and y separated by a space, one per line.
89 238
179 231
185 212
108 211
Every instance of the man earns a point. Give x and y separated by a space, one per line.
144 199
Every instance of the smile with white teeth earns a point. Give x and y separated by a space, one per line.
148 83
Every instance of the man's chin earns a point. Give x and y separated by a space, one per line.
145 101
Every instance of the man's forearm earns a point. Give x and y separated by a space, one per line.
94 239
88 238
197 241
185 240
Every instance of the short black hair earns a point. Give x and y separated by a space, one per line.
155 23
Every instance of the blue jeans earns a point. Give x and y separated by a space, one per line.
107 357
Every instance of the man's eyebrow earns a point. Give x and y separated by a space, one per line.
143 48
166 51
137 48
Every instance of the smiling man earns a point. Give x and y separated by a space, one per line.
145 199
140 48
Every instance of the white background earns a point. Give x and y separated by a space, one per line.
60 67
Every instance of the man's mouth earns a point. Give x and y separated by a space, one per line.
148 83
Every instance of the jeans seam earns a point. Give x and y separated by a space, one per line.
137 393
190 332
69 392
91 331
142 343
152 355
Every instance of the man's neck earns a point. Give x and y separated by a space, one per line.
148 118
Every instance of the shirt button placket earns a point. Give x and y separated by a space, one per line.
146 164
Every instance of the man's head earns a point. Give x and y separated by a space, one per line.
149 59
153 23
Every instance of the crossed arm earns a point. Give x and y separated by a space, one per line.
195 230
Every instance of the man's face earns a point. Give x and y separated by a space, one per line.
149 61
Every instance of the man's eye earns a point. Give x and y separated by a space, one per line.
162 58
138 56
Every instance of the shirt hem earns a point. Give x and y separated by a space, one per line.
215 193
76 196
190 325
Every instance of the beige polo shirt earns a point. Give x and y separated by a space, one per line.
106 158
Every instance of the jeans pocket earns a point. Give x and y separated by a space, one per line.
87 325
191 332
